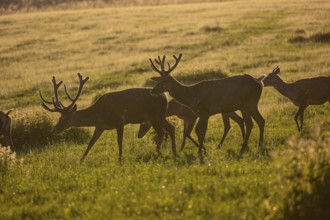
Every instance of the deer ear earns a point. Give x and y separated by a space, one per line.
278 71
9 112
156 79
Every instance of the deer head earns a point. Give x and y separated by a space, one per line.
165 80
4 120
5 129
272 78
67 112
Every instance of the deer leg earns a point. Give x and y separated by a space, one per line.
235 117
296 120
171 130
249 124
300 110
226 124
302 118
160 135
188 127
96 135
200 130
185 127
261 124
120 134
193 140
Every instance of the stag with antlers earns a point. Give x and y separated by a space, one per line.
112 111
5 130
211 97
304 92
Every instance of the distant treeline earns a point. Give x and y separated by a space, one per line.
7 6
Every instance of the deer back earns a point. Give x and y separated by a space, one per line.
227 94
312 91
132 105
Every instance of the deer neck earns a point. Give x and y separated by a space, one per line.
182 93
284 88
84 118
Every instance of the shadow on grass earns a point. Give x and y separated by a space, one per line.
153 156
248 155
211 29
231 154
321 37
182 158
316 38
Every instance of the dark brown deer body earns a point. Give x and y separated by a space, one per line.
215 96
304 92
189 118
5 130
113 111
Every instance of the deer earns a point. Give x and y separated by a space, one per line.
210 97
189 119
303 92
111 111
5 130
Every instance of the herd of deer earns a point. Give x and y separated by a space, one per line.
149 107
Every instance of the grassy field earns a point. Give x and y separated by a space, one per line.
112 47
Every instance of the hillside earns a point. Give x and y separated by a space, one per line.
111 45
10 6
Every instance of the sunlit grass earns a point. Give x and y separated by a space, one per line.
112 47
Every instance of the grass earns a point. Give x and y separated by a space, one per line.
33 130
112 46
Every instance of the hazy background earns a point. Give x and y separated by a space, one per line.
7 6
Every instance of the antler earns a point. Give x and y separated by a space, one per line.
58 106
161 63
81 85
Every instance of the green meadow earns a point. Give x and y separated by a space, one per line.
45 179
